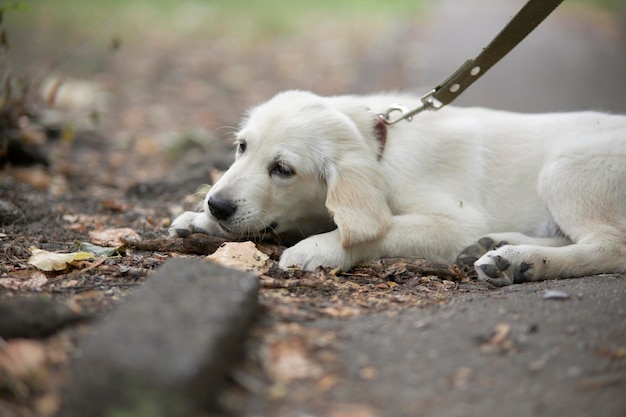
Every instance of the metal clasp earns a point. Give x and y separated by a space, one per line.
427 102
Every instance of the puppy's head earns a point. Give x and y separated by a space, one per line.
300 159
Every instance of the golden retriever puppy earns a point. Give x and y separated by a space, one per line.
521 196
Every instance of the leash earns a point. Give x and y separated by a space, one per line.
524 22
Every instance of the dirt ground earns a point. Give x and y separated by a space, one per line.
126 147
91 288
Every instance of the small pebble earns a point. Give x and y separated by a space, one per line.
555 295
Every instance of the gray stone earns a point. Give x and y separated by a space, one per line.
35 317
167 349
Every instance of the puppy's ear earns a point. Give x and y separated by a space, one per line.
357 201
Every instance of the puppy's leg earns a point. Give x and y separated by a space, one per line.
515 264
433 237
323 250
587 199
493 241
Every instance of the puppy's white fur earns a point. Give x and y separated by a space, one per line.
544 194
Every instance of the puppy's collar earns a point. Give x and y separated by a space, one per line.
380 132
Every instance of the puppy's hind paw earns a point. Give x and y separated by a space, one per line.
498 270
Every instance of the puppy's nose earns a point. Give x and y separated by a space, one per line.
221 208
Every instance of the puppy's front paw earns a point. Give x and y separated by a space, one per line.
190 222
502 267
319 250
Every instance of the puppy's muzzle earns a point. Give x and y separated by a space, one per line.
221 208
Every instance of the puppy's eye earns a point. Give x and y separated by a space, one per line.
282 170
241 146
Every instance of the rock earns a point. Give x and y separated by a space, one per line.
35 317
167 349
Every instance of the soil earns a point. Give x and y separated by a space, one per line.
91 288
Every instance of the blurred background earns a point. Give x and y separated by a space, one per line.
160 80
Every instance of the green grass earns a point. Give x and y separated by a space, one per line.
55 28
615 5
72 20
241 18
259 15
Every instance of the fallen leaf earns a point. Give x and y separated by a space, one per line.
288 360
327 382
71 218
48 405
20 357
101 251
21 274
37 177
352 410
52 261
113 237
499 341
612 352
341 311
35 281
81 221
462 377
501 333
368 373
601 381
239 255
69 284
114 205
22 367
277 392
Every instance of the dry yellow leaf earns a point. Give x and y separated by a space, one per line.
239 255
52 261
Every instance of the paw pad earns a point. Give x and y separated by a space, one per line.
522 273
500 271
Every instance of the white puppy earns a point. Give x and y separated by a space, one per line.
525 197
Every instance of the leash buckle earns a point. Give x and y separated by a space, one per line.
427 102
